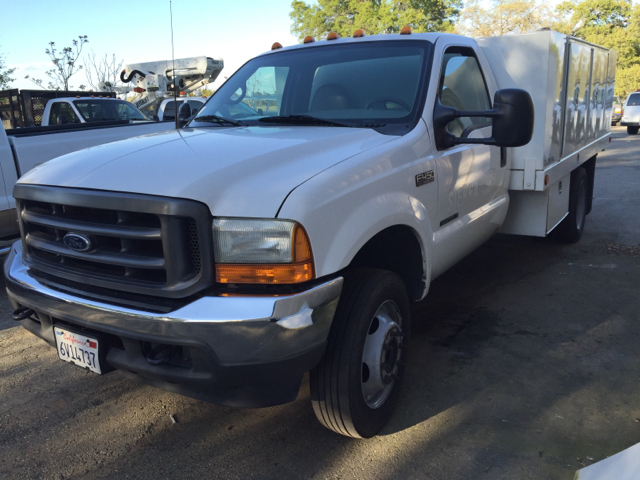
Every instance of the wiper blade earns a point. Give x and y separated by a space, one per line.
217 119
304 120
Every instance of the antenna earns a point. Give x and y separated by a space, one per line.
173 73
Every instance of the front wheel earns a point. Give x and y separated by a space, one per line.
356 385
632 130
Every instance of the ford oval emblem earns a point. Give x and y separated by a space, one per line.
77 242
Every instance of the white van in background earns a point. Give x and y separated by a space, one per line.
631 113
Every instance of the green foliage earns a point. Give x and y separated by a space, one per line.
627 80
64 62
614 24
372 16
502 17
5 75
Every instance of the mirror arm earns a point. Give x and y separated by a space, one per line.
443 115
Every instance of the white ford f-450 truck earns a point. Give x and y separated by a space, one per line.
225 260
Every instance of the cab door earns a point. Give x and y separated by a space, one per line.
472 178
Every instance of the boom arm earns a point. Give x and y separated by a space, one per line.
155 81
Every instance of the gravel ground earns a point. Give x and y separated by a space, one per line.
524 364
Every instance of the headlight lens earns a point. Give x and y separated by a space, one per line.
253 241
261 251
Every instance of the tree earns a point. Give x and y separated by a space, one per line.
372 16
502 18
102 71
65 64
5 73
614 24
206 92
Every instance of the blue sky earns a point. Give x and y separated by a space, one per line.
139 31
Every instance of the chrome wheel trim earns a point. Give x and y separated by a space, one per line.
381 354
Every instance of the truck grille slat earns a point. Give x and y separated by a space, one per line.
134 243
111 258
87 227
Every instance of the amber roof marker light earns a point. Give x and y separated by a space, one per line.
276 46
309 39
332 36
406 30
358 33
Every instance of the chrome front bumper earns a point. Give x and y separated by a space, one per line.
280 337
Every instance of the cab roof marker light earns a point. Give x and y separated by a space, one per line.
358 33
406 30
309 39
276 46
332 36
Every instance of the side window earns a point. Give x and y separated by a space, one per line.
170 110
462 87
61 113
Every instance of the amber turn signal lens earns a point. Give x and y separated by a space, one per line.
265 274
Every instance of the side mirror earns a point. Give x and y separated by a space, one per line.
512 115
184 113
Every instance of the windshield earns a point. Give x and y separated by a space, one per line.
103 110
370 85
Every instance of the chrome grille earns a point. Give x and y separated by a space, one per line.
136 243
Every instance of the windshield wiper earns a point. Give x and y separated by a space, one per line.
217 119
304 120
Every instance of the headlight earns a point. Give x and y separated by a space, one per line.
261 251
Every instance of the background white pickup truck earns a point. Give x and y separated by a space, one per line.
25 148
62 111
227 259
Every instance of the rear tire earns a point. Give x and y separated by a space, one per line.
632 130
571 228
356 385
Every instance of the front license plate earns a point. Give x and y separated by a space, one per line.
78 349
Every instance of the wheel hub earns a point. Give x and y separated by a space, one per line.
382 354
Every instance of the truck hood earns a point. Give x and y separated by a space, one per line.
244 171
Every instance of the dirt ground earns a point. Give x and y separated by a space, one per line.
523 365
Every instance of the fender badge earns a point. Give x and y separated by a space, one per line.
424 178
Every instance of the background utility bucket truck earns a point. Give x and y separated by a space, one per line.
156 81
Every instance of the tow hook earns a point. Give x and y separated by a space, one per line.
161 354
21 313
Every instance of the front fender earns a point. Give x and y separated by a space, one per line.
346 205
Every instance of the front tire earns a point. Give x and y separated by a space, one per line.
632 130
572 226
356 385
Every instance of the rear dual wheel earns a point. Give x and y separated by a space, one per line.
571 228
632 130
356 385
